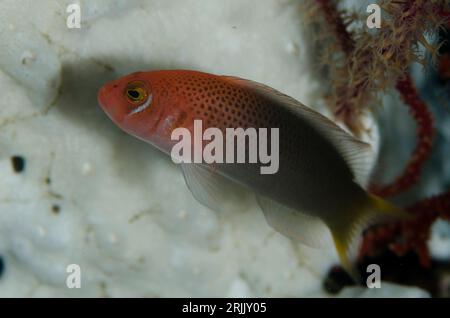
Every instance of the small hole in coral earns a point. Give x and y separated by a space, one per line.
2 266
56 208
18 163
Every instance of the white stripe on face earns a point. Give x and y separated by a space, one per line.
143 106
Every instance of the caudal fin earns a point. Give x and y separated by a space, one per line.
347 230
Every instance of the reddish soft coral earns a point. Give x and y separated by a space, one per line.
410 235
370 64
374 61
334 19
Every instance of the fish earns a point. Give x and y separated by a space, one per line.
316 197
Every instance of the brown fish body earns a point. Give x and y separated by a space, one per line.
321 167
310 167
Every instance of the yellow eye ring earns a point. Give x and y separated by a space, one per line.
136 92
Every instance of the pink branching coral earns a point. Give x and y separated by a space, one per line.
370 64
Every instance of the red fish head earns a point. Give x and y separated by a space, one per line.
131 103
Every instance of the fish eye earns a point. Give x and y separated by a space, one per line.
136 92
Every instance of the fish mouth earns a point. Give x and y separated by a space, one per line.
106 98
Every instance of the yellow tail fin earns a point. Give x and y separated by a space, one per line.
387 209
347 230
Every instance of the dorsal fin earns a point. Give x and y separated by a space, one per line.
356 153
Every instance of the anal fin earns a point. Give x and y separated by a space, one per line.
306 229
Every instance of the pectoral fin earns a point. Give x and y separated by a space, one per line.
210 188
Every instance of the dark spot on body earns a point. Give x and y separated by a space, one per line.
18 163
48 180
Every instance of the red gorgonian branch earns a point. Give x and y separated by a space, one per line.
411 235
334 20
425 135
